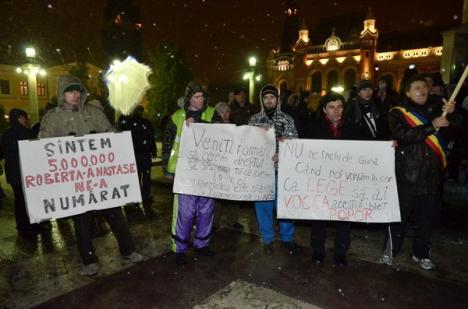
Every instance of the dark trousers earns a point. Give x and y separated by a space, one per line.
424 208
143 162
21 214
118 226
319 235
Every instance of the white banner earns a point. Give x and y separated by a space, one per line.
227 162
337 180
66 176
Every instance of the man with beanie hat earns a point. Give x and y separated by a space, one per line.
188 209
363 116
271 116
73 117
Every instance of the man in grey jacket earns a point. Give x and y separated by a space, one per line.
73 117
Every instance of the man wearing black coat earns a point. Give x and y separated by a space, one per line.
364 117
17 132
144 147
419 163
330 126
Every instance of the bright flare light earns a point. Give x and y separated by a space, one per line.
30 52
338 89
127 82
252 61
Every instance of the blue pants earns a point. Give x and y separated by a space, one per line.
266 210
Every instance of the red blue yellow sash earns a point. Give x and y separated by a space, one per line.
434 141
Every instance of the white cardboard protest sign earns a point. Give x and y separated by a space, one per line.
225 161
337 180
66 176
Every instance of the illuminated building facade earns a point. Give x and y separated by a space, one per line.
341 63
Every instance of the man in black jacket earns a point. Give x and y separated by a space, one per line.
16 132
330 126
364 117
241 109
144 147
419 163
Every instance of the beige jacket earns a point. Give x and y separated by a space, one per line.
66 119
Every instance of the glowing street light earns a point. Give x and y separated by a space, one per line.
252 61
30 52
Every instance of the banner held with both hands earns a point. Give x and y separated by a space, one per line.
67 176
337 180
227 162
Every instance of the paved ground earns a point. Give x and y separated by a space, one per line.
44 269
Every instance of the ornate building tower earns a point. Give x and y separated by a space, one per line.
291 27
121 34
368 44
303 34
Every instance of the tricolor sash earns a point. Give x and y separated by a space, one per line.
434 141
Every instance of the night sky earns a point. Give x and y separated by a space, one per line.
218 35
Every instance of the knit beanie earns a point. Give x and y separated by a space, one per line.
268 89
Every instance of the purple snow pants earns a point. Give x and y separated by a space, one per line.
189 210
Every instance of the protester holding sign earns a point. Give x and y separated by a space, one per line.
420 159
330 126
188 209
271 116
73 117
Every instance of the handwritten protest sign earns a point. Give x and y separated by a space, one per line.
69 175
225 161
337 180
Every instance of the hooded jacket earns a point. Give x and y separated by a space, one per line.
16 132
68 119
281 122
170 147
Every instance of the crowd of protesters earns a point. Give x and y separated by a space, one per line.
409 117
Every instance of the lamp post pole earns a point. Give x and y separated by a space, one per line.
252 78
33 105
31 70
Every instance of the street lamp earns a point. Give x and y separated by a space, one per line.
252 78
31 70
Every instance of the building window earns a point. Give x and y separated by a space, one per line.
316 82
349 79
4 86
23 87
41 89
332 79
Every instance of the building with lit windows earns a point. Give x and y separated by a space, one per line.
14 90
344 57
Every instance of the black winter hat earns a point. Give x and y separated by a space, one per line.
268 89
238 90
364 84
